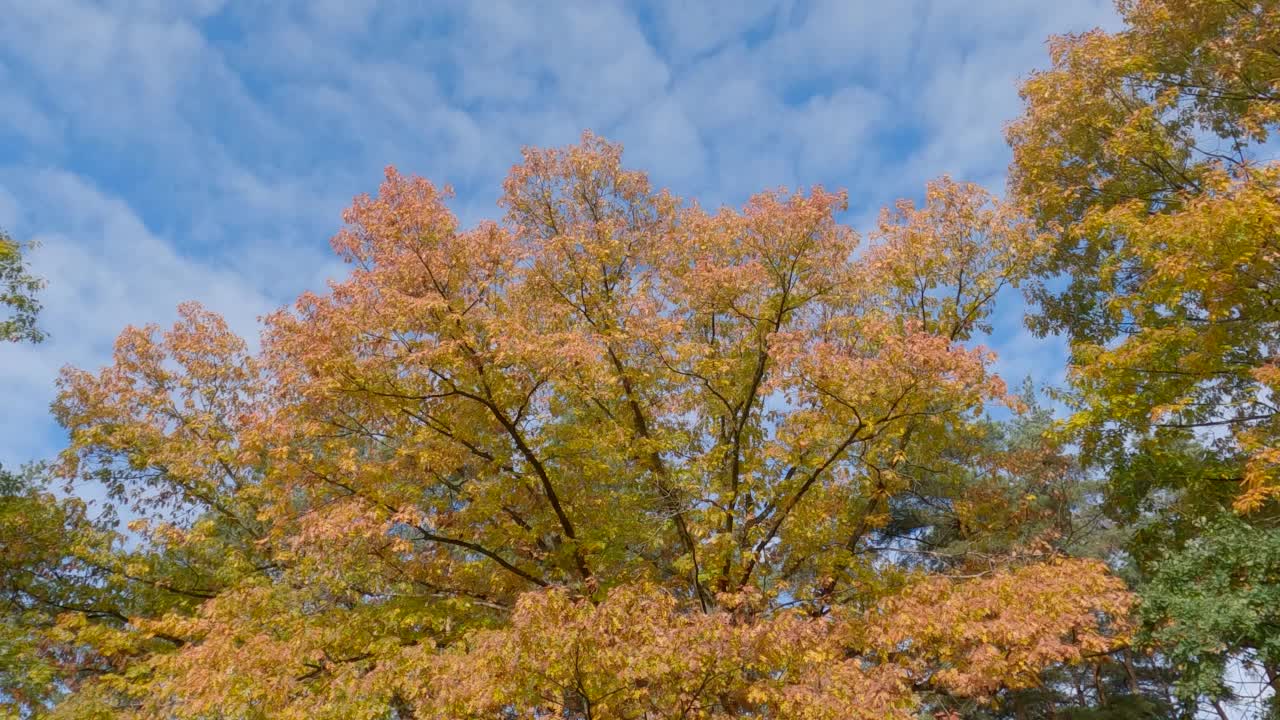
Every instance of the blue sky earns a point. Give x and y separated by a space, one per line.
163 151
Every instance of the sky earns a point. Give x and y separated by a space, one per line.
203 150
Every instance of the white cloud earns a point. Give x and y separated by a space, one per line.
170 151
836 38
125 73
105 270
664 131
685 30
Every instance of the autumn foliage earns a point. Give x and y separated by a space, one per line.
612 456
1142 156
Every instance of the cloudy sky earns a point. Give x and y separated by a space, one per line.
163 151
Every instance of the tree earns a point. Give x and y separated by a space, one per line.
1218 602
612 456
27 678
1142 159
18 290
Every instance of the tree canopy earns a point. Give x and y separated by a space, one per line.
614 455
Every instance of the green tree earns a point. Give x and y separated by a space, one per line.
18 288
1217 602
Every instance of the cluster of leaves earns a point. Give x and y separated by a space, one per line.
18 288
1218 603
